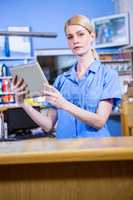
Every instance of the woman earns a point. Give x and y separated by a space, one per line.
81 99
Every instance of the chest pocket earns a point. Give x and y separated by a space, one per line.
71 93
92 97
91 102
73 98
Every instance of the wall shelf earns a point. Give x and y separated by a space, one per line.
6 93
16 58
120 61
5 77
115 61
29 34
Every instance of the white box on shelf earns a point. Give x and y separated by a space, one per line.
19 45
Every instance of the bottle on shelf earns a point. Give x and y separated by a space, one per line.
6 94
5 70
6 47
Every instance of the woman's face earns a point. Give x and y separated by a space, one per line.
79 39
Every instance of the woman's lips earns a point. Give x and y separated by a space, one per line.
78 47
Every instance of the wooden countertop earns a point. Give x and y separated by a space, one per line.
46 150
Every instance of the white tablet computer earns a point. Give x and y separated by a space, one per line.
33 77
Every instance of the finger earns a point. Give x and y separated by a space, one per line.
20 82
51 100
47 93
14 80
22 87
48 87
50 94
17 82
23 92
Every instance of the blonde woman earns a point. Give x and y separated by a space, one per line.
81 99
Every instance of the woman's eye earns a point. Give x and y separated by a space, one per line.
81 34
69 37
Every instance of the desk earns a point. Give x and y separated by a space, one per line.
73 169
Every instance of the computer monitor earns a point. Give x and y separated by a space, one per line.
111 31
18 120
55 61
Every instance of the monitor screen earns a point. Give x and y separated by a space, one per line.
111 31
55 62
17 119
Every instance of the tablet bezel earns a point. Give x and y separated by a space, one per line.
33 76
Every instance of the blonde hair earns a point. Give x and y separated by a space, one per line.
84 22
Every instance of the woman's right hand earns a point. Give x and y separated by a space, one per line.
20 90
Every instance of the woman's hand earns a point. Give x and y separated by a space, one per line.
53 96
20 90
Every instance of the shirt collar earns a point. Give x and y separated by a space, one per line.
71 73
92 68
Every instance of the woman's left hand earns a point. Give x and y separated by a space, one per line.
53 96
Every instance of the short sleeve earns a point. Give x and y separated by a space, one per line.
111 87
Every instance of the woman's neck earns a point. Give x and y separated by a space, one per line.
83 63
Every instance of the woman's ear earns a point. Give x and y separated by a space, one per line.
93 36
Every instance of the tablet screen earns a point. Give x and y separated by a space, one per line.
33 77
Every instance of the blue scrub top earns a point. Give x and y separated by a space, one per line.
98 83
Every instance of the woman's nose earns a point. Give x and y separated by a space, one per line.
75 40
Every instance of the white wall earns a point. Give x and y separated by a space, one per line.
49 16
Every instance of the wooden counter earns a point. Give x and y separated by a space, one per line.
51 150
78 169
